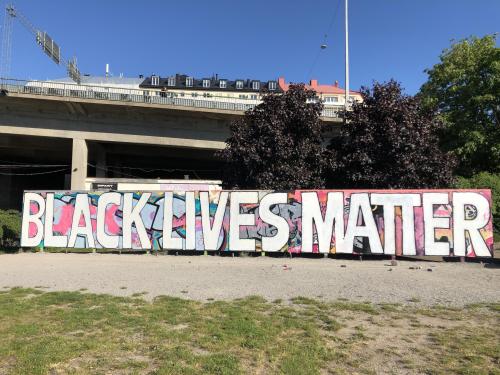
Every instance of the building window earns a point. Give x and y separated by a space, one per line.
194 94
189 81
272 85
206 83
239 84
255 85
222 83
171 81
243 96
155 80
331 99
253 97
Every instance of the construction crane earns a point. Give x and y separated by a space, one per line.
43 39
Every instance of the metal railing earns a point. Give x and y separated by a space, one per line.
120 94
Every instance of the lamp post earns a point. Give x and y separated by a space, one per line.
346 56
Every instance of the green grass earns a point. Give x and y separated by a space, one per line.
75 332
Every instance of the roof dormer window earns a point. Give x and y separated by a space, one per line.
222 83
171 81
206 83
155 80
189 81
255 85
272 85
239 84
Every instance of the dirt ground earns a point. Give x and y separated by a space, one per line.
224 278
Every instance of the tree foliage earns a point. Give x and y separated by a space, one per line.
278 144
10 226
486 180
389 141
465 87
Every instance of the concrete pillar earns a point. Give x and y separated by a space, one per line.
79 164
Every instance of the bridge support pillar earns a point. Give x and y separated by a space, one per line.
79 161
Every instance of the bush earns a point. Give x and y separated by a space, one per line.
10 227
489 181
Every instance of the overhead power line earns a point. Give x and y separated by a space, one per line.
15 166
33 173
325 40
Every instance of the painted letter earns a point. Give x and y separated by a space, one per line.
237 219
49 239
107 241
132 215
334 216
190 221
407 202
462 224
360 203
431 247
35 219
81 208
169 242
211 233
280 239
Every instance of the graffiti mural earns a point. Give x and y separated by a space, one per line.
396 222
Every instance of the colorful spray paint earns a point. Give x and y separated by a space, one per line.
395 222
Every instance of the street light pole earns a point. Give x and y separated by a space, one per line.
346 56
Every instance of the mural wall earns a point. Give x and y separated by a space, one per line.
400 222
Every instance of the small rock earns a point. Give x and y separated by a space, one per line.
429 269
394 262
343 266
390 269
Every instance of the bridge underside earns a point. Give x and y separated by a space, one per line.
45 163
74 141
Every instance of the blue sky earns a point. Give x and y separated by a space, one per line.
250 39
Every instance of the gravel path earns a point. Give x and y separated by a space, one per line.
207 277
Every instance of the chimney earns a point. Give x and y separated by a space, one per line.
282 83
107 70
336 83
313 83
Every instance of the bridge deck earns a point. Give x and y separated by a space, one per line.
68 92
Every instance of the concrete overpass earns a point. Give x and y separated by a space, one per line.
85 128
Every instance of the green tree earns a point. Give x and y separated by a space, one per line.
465 88
278 144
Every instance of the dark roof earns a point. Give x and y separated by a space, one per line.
180 83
